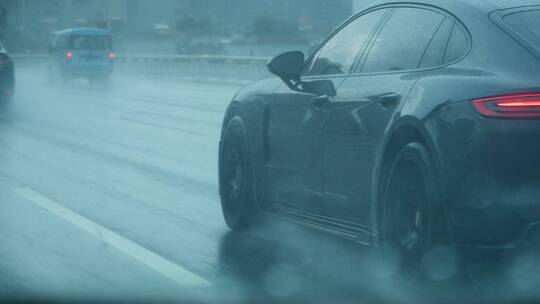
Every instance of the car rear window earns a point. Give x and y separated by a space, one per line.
527 25
88 42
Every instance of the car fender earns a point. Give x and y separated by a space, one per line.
407 125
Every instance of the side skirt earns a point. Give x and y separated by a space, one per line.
343 229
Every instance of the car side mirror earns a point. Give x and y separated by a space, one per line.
288 66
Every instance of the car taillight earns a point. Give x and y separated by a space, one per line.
510 106
112 56
69 55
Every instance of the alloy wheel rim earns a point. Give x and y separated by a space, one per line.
234 181
407 199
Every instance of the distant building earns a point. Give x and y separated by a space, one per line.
31 22
91 12
37 15
45 15
143 15
319 15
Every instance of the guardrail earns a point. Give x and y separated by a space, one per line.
29 59
231 68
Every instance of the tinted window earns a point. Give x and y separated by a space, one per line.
86 42
458 44
403 40
337 56
527 24
60 43
434 55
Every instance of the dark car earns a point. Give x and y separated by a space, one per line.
7 74
412 125
81 53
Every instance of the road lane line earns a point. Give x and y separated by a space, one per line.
178 274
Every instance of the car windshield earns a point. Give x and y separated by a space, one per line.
527 25
89 42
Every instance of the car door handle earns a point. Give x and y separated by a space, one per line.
389 99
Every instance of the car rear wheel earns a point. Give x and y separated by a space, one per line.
408 197
236 179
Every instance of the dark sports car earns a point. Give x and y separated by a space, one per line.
412 125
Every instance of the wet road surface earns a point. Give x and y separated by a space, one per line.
84 169
111 194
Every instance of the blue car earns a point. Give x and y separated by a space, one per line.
81 53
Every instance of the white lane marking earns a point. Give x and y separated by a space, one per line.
165 267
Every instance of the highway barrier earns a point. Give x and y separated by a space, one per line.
225 68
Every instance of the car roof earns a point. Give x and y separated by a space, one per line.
502 4
84 31
485 6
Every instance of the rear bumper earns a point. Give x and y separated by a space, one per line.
490 174
89 70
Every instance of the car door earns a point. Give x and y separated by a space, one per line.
294 155
358 117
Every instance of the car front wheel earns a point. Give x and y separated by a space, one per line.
236 179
